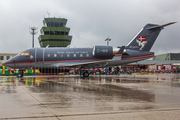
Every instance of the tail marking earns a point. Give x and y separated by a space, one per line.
141 41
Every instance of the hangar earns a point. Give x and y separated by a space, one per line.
169 62
167 56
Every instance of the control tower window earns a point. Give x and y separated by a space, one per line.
56 24
46 32
57 33
52 24
61 24
62 33
52 32
66 33
48 24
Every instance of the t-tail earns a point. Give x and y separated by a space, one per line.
145 39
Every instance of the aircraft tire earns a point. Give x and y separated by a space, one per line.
19 75
85 74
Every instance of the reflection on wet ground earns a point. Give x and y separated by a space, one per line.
72 95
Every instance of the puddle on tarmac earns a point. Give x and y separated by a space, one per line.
102 94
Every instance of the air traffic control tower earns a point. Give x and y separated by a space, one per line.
54 33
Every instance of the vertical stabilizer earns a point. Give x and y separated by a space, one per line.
145 39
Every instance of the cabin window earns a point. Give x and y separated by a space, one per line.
48 55
87 55
68 55
74 55
81 55
55 55
61 55
24 53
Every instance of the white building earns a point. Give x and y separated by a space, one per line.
6 56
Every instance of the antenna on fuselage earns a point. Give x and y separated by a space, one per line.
68 46
47 46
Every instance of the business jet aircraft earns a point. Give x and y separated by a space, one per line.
58 59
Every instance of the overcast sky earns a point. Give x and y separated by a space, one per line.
91 22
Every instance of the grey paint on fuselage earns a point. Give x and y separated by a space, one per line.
58 57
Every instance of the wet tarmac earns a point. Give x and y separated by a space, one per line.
100 97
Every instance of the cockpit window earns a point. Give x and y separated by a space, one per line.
24 53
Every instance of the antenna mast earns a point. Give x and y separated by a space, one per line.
33 32
48 13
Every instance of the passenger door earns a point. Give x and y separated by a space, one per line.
39 56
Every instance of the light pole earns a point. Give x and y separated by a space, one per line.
108 39
33 32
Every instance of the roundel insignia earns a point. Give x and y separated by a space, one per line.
31 57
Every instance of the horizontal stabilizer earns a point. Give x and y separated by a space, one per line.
161 26
118 55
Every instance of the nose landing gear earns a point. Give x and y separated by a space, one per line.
21 73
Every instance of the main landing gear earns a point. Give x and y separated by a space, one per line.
85 73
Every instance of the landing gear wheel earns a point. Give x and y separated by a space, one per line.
85 74
21 73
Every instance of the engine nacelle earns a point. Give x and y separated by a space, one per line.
102 51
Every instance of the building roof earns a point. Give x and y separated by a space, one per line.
159 62
167 56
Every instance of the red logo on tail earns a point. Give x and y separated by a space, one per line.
141 41
142 38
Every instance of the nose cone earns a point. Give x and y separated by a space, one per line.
7 63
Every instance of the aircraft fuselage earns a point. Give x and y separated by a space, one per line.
52 57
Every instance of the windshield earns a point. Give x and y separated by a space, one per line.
24 53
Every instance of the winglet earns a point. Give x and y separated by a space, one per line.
161 26
118 55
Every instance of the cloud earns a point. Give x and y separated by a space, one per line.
91 22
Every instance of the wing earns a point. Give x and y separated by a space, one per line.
94 64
